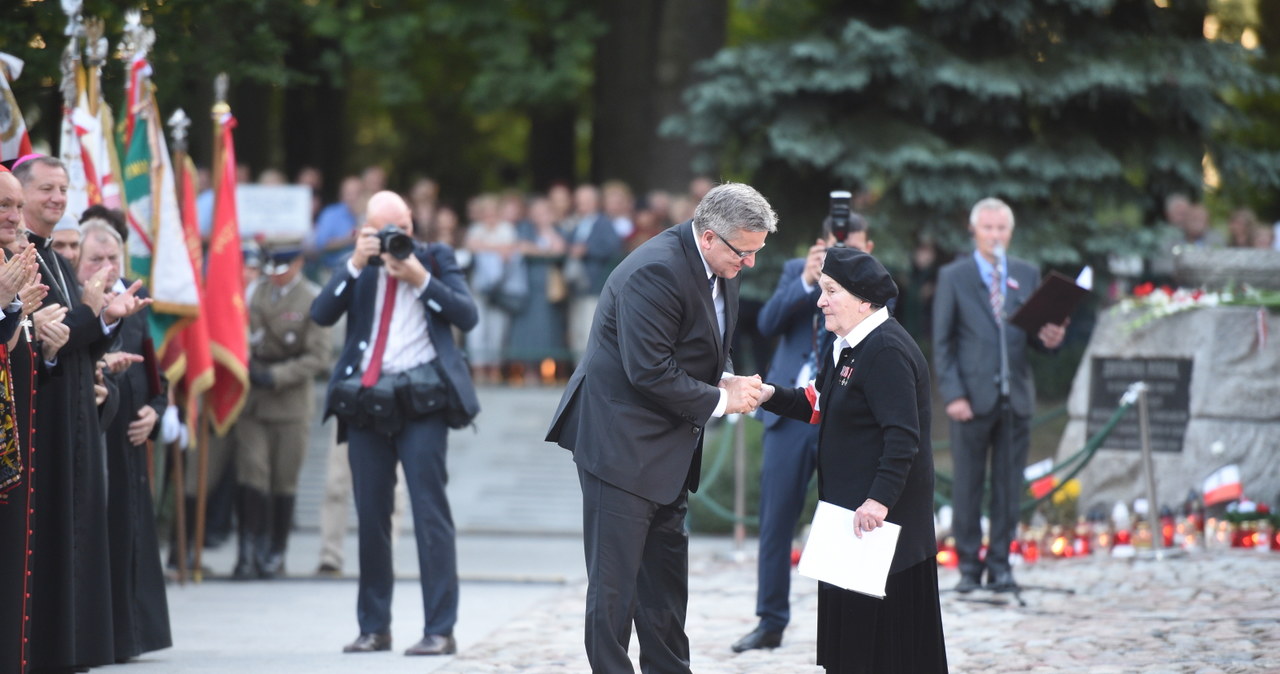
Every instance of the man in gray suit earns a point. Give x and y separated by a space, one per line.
633 415
989 398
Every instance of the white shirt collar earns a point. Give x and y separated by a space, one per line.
706 268
860 331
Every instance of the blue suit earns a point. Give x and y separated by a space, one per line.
790 446
420 445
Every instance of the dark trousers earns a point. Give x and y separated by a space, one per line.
790 456
637 554
421 447
1005 441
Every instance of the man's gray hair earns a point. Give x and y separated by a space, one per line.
23 171
990 204
100 229
733 207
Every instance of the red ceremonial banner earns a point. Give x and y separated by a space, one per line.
228 334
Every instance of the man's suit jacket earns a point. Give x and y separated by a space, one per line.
603 247
966 342
446 298
634 409
789 315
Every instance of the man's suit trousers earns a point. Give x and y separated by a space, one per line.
637 554
421 447
1005 442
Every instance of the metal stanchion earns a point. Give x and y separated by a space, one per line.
739 487
1139 389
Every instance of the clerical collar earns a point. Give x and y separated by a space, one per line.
39 241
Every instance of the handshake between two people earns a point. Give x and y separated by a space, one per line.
746 393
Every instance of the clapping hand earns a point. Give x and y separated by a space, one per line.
50 329
33 295
124 304
94 293
17 273
119 361
99 385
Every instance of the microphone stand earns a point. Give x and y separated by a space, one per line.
1002 380
1006 407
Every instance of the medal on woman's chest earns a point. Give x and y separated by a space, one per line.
846 371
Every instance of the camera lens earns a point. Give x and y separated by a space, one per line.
400 246
393 240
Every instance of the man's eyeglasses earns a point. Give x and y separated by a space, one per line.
742 254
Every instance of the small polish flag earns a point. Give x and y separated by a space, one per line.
1223 485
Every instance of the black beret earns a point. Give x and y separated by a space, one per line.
860 274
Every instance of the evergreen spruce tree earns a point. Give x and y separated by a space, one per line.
1082 114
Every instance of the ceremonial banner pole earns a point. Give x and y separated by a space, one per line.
202 497
176 470
178 125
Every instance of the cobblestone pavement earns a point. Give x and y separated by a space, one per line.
1207 613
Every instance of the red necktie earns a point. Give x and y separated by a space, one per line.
374 370
997 298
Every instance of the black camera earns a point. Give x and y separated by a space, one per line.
392 239
839 215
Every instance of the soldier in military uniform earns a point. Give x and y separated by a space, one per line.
287 351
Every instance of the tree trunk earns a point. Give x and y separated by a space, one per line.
643 63
622 127
690 32
552 155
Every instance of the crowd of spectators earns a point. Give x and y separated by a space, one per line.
535 262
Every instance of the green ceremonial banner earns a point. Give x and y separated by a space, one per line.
137 193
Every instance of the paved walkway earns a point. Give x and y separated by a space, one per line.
1208 613
517 504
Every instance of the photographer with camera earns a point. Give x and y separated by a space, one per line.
790 446
398 386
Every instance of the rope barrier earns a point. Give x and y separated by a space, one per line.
717 465
1082 455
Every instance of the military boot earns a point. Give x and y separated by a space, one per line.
281 523
251 510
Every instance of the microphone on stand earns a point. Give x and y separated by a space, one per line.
1002 380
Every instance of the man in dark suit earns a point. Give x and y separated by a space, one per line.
989 399
790 447
400 317
633 415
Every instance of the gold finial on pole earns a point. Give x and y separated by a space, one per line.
220 85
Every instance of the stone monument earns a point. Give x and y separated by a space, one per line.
1215 397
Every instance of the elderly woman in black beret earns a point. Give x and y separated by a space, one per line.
871 400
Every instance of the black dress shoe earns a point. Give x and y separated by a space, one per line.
369 643
1002 581
758 638
968 583
434 644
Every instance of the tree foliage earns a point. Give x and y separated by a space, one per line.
439 87
1072 110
